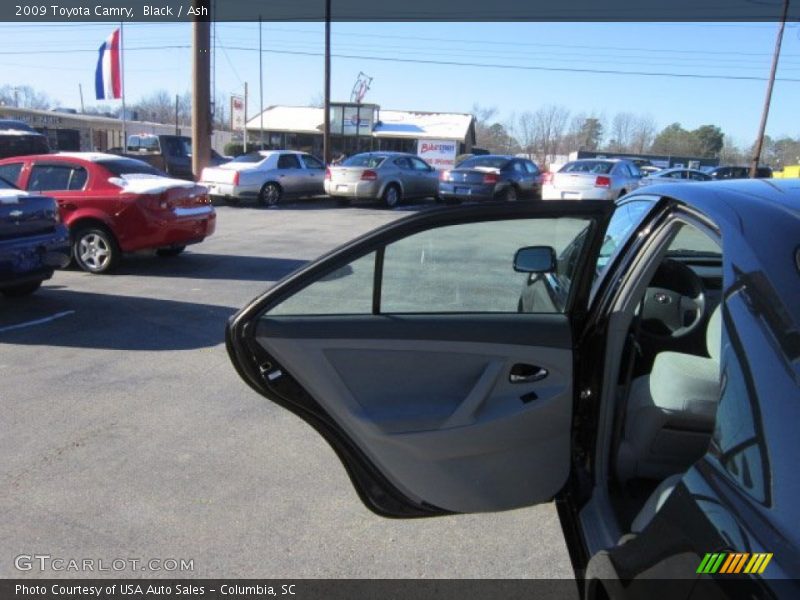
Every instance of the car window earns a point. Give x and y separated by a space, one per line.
312 162
517 167
364 160
57 178
402 162
464 268
288 161
419 164
252 157
6 185
634 170
531 168
698 176
11 172
588 166
624 220
128 166
674 175
491 162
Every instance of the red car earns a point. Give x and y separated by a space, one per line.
114 204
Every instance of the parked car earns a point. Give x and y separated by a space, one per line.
649 170
20 139
33 241
171 154
728 172
491 177
591 179
391 177
113 204
674 176
635 360
267 176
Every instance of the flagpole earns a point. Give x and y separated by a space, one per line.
122 76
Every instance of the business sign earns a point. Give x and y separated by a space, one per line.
237 113
440 154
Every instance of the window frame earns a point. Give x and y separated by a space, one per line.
72 167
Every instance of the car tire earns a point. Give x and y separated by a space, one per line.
511 194
392 196
95 250
22 290
167 252
270 194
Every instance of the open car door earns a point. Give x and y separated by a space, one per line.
411 352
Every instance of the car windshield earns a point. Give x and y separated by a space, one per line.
490 162
364 160
588 166
129 166
253 157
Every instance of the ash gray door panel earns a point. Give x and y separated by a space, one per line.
441 420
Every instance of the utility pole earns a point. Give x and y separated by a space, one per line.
177 128
260 88
80 91
244 145
201 87
768 99
326 135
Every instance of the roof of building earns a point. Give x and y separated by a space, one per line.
392 123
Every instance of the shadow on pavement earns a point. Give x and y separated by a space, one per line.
110 322
200 265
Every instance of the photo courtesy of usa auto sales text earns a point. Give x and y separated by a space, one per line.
100 10
145 590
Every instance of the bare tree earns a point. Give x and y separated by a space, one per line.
622 132
23 96
546 131
642 135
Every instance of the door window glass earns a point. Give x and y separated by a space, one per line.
419 165
625 218
464 268
402 162
56 178
531 168
288 161
312 163
346 291
11 172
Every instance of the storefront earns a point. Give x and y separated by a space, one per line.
362 128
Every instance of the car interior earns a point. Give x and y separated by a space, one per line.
668 382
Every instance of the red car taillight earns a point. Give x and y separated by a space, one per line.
444 175
602 181
490 178
328 174
547 178
369 175
236 178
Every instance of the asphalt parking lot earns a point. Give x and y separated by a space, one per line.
127 434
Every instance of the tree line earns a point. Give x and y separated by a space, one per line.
552 131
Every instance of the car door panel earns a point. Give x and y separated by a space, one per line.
422 408
424 428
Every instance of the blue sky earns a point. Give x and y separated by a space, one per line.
55 58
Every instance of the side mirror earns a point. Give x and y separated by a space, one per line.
535 259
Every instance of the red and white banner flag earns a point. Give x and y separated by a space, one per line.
108 75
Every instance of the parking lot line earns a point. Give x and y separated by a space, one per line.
41 321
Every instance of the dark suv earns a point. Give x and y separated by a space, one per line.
739 173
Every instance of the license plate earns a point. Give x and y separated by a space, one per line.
463 190
341 188
571 195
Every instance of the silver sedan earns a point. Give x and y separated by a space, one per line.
676 175
268 176
388 176
591 179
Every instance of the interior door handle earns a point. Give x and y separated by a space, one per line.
524 373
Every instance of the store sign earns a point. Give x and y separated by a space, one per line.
237 113
440 154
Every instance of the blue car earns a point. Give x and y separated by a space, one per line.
490 177
33 241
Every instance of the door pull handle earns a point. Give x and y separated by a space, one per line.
523 373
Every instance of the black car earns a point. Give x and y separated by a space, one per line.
638 361
20 139
491 177
33 240
739 173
